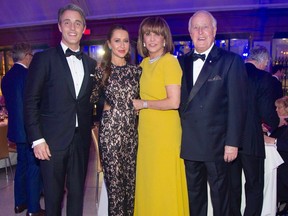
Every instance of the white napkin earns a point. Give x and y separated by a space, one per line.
272 161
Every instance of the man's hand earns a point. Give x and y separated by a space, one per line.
42 151
265 128
230 153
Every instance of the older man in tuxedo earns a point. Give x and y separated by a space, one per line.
278 73
58 113
261 109
27 183
212 112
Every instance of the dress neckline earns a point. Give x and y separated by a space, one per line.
119 65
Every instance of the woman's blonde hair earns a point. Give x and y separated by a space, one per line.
283 102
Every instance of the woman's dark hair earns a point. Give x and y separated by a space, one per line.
158 26
107 57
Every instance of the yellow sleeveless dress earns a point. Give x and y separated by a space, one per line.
161 188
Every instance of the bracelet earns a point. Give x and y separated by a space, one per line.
145 105
275 142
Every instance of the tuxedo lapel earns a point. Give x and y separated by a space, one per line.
205 72
86 76
188 63
67 72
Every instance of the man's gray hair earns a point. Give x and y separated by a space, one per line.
213 20
259 54
20 50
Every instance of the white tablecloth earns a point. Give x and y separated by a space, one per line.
272 161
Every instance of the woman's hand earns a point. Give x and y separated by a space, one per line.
138 104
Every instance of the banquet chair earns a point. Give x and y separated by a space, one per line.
12 147
4 149
99 168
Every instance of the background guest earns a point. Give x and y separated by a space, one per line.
27 183
279 137
277 75
160 179
58 113
118 136
213 97
260 108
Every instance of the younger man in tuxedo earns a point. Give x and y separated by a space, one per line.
58 114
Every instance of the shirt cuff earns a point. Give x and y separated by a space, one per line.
275 143
37 142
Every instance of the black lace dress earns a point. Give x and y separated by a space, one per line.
118 137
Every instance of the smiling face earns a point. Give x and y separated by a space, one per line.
154 43
119 45
72 28
202 31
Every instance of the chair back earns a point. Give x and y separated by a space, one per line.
95 142
4 152
12 147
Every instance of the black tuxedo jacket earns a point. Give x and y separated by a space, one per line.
50 99
261 108
277 88
281 133
213 112
12 86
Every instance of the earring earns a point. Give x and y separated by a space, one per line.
144 45
164 44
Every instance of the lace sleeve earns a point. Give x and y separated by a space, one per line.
97 79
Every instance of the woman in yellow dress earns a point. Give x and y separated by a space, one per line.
161 188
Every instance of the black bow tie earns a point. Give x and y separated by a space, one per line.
78 54
197 56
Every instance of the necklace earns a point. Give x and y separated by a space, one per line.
154 59
119 63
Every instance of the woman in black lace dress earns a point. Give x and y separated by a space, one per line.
118 138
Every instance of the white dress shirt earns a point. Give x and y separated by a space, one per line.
77 72
198 64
